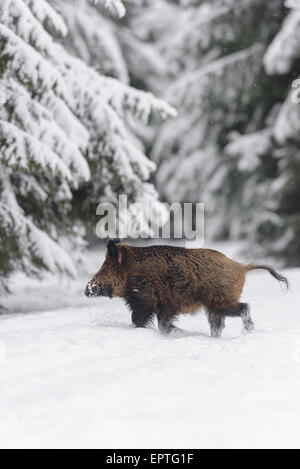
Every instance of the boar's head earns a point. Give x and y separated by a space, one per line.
111 280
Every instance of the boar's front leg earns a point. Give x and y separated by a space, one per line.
142 317
142 312
165 322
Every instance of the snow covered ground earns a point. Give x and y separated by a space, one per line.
75 374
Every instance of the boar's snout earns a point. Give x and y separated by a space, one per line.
93 289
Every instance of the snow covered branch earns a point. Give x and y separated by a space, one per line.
286 46
66 133
116 7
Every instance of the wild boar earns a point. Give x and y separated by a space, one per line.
166 281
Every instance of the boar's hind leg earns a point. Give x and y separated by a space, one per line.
246 317
242 311
217 324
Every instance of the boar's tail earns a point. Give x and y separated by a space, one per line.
272 271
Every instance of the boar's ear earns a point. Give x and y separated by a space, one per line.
122 255
112 249
116 252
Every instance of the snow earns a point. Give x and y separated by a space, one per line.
39 153
92 38
38 122
198 124
284 50
292 4
197 29
287 124
44 12
184 87
74 373
35 69
116 7
249 148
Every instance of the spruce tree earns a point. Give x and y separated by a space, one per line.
235 143
64 127
267 161
215 52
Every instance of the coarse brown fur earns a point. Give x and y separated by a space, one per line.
166 281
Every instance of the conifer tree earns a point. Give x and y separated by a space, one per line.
234 144
267 161
63 127
215 53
